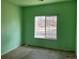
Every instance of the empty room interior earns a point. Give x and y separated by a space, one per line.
38 29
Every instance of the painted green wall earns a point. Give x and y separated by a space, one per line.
10 27
66 12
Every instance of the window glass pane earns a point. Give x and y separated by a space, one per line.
51 27
39 27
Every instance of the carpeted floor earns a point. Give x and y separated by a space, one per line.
37 53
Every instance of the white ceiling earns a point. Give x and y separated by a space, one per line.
34 2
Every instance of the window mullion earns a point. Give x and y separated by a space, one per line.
45 26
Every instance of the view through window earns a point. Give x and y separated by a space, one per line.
45 27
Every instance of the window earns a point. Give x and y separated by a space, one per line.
45 27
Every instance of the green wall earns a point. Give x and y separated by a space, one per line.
66 12
10 26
